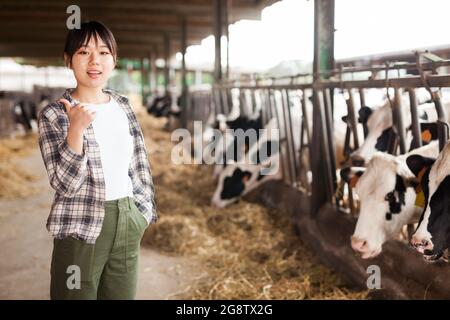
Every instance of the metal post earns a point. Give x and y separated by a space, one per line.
415 126
352 118
292 168
184 88
227 35
167 63
323 60
217 36
143 80
153 72
398 120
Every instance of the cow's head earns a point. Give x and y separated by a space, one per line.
432 236
236 180
378 125
386 194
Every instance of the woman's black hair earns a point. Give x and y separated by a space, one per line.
76 38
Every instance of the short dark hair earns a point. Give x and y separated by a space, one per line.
76 38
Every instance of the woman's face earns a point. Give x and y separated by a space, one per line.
92 64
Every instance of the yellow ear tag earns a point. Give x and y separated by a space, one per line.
420 200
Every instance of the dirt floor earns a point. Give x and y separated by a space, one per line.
194 252
26 248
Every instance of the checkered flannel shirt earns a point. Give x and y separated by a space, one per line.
78 205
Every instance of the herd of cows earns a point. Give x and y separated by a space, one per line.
393 190
19 109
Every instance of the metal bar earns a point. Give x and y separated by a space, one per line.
330 141
305 117
409 82
217 36
352 118
427 66
183 62
398 120
320 125
290 139
167 63
323 60
415 126
226 10
362 97
284 165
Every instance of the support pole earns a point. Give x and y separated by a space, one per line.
217 36
323 60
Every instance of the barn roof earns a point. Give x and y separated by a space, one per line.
37 28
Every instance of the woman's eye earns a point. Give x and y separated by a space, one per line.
105 52
83 52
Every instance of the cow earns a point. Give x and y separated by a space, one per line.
387 194
262 164
432 236
378 124
228 143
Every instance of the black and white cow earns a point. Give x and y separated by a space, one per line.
260 165
387 195
165 106
432 236
379 126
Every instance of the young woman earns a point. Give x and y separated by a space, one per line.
95 156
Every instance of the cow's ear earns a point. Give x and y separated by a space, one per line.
428 131
237 173
345 119
351 175
246 175
416 163
364 114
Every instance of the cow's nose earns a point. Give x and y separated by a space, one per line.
420 243
358 244
358 161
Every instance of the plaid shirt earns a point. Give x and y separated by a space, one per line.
78 205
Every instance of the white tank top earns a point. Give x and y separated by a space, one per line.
112 134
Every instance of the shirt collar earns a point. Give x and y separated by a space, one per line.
68 95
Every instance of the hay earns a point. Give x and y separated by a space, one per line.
14 179
247 251
18 147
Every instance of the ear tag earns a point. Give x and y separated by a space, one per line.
420 200
426 136
353 181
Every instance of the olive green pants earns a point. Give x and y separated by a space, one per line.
107 269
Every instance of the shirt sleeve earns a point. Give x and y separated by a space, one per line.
66 169
142 170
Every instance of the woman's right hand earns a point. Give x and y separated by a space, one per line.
79 117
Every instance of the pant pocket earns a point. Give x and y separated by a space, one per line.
139 219
72 257
136 228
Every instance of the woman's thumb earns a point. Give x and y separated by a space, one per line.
66 104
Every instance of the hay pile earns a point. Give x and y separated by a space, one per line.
247 251
14 179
